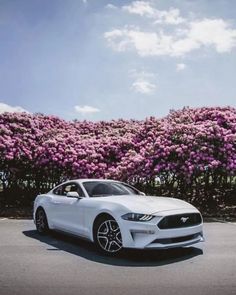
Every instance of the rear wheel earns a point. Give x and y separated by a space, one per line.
41 222
107 236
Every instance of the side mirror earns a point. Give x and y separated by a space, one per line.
73 195
142 194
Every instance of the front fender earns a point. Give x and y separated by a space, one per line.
112 210
42 201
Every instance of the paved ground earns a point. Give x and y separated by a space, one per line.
59 265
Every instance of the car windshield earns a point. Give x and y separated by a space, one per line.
105 189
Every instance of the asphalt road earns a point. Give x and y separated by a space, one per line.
60 265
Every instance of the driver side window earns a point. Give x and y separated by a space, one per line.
58 191
69 188
62 190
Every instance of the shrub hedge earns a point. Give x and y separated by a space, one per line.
190 154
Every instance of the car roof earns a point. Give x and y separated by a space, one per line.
81 180
92 179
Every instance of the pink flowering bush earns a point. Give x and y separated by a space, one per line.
191 153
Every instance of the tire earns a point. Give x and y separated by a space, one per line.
41 222
107 236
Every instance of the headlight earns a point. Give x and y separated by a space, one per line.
137 217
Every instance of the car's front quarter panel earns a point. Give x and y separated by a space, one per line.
94 208
44 201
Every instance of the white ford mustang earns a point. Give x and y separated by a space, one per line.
115 215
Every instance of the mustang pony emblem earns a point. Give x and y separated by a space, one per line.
184 219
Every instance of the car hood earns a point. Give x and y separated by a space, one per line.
147 204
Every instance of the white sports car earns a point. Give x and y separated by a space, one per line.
115 215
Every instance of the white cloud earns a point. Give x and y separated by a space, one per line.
180 67
11 109
206 33
145 43
86 110
143 86
215 32
143 8
212 33
143 82
110 6
172 17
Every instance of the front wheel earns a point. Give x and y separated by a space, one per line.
41 222
107 236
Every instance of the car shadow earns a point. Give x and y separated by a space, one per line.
139 258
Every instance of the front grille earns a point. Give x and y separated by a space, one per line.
180 220
176 240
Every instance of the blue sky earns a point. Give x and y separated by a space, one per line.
102 60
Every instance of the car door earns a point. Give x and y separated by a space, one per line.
67 212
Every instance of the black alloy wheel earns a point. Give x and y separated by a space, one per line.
107 236
41 222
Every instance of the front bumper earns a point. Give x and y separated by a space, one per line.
147 235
